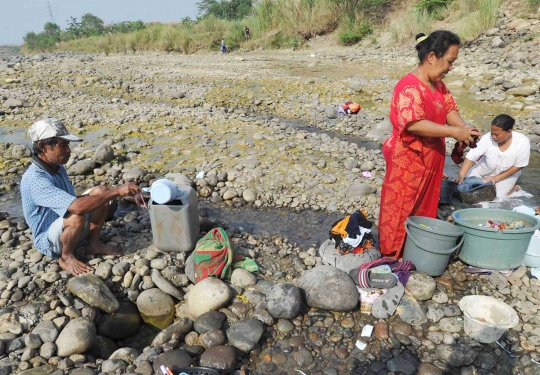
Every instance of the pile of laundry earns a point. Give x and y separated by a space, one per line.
352 234
348 108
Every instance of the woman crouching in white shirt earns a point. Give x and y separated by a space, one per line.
499 157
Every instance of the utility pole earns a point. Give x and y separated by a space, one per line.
50 13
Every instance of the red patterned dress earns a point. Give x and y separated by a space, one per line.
414 164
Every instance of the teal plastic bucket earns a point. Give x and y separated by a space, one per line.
489 247
430 242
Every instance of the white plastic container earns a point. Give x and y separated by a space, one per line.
532 258
487 318
175 225
163 191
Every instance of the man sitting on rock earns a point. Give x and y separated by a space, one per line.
59 220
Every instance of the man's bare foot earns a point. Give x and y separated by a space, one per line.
514 189
100 249
74 266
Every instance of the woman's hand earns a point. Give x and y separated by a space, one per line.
460 178
465 135
487 179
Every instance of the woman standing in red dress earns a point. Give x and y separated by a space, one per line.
423 112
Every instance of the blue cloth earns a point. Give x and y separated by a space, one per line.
472 183
45 198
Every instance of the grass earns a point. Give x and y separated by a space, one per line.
414 22
477 17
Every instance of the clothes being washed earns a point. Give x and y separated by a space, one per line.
459 149
472 183
352 234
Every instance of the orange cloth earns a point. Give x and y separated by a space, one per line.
339 228
414 164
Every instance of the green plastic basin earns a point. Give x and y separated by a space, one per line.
489 247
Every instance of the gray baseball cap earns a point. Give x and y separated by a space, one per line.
49 128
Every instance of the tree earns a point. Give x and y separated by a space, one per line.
51 29
91 25
228 9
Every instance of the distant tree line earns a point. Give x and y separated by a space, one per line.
225 9
89 25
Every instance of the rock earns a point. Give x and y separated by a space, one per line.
123 323
93 290
249 195
381 131
358 190
331 112
209 294
457 355
166 286
20 151
212 338
426 368
173 359
103 347
41 370
210 321
179 179
242 278
380 331
113 365
219 357
329 288
498 280
128 355
284 301
367 165
81 168
46 331
522 91
156 308
229 194
405 363
76 338
180 328
14 103
421 285
350 163
134 174
347 262
103 154
178 95
497 42
435 313
452 325
245 334
518 24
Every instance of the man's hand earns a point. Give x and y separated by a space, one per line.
128 189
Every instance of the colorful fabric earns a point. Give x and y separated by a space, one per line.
459 149
214 256
414 164
339 227
353 229
401 269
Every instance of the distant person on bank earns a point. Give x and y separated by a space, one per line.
423 112
498 157
58 219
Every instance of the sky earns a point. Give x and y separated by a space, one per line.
19 17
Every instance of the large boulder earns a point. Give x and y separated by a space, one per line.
522 91
457 355
421 285
77 337
93 290
209 294
358 189
20 151
210 321
221 357
156 308
46 331
14 103
103 154
284 301
346 262
123 323
329 288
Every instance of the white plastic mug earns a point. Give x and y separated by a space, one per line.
163 191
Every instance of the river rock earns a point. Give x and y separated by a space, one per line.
103 154
156 308
245 334
329 288
331 112
426 368
522 91
46 331
359 189
346 262
212 338
104 347
128 355
284 301
14 103
41 370
497 42
93 290
180 328
249 195
220 357
134 174
20 151
81 168
173 359
457 355
421 285
166 286
209 294
76 338
210 321
242 278
123 323
113 365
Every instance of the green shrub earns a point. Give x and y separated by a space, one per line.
355 34
432 6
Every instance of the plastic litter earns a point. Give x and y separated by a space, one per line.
524 210
200 174
366 174
535 272
361 345
367 330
